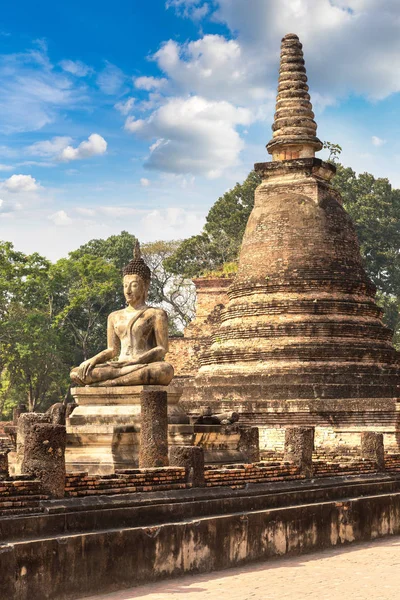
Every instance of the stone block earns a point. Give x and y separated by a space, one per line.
3 465
249 443
372 448
192 458
44 456
299 445
154 429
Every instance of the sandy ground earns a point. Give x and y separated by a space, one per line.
367 571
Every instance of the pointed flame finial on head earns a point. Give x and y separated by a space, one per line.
294 128
137 266
137 255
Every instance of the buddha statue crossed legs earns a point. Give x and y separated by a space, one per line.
137 335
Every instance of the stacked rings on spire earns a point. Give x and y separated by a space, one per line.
294 124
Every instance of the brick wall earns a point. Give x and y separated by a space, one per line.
125 481
20 494
239 475
184 351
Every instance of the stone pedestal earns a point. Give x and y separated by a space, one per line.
103 431
154 429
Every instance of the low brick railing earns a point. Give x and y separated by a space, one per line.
20 494
23 494
126 481
349 467
240 475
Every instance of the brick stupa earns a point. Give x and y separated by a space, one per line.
301 340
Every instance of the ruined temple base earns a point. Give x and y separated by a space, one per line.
338 422
103 431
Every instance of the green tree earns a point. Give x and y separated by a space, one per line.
32 357
88 289
220 241
116 249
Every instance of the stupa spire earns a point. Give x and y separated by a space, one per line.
294 128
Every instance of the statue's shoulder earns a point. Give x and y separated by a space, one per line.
116 313
157 312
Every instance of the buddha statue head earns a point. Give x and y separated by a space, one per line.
136 278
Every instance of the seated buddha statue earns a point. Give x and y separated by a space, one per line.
137 335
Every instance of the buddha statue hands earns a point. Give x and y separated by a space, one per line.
137 335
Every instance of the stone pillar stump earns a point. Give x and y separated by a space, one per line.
372 448
192 458
299 446
154 428
4 464
44 456
249 443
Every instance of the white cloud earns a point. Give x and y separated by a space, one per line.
111 79
193 9
144 182
216 68
171 221
21 183
5 167
32 93
60 218
377 141
193 135
125 107
95 145
49 148
149 83
350 45
9 207
85 212
6 152
76 67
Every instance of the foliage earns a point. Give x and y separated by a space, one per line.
220 241
116 249
31 354
227 270
88 290
334 151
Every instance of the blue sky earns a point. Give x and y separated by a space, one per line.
138 115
